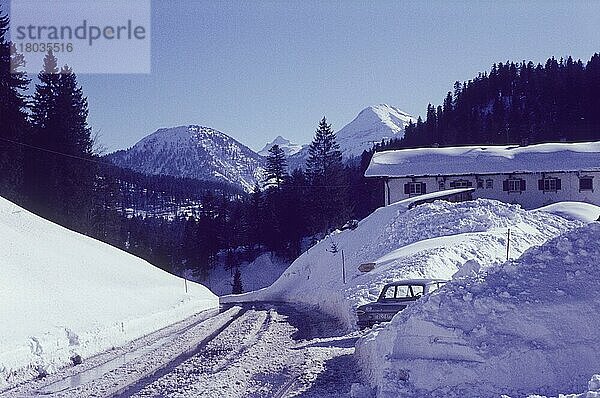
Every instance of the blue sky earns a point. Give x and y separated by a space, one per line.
258 69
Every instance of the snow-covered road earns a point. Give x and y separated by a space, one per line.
252 350
269 350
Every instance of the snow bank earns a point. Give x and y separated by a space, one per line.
593 390
585 212
429 241
529 326
63 294
261 272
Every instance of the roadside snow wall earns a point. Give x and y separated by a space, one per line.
429 241
530 326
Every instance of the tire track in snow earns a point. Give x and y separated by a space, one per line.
219 355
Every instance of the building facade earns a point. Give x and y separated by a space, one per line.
530 190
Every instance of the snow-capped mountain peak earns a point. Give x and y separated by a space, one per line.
372 125
289 148
196 152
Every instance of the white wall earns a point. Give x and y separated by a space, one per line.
531 198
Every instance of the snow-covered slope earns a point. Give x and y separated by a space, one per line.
372 125
289 148
527 326
431 240
62 293
196 152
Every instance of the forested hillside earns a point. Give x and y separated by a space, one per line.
515 103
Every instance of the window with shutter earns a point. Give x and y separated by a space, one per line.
461 184
514 185
416 188
549 184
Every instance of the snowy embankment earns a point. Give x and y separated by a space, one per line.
64 294
585 212
259 273
430 240
529 326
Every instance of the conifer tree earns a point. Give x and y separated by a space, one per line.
12 114
61 174
237 287
326 177
276 166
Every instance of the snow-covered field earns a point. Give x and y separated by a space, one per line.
431 240
64 294
529 326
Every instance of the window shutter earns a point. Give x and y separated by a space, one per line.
558 184
522 185
423 187
407 188
541 185
505 185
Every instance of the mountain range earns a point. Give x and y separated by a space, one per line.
204 153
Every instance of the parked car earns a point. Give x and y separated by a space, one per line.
394 298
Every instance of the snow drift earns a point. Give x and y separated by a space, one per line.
429 241
581 211
64 294
529 326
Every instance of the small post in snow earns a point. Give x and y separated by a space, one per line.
343 267
185 282
508 244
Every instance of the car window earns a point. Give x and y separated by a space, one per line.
417 290
402 292
389 292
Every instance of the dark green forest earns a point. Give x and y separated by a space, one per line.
515 103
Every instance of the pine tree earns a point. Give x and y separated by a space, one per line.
324 155
326 177
276 166
61 175
237 287
12 114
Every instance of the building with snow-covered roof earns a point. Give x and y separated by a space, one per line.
531 176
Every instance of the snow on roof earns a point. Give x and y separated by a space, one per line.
486 159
